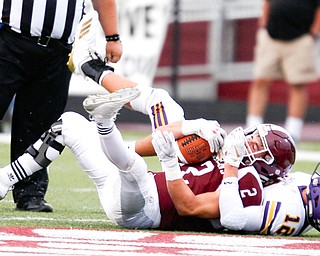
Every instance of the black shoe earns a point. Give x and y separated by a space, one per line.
34 204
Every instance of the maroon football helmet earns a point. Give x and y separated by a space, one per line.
278 154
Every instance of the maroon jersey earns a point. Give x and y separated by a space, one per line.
202 178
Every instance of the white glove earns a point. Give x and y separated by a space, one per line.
234 147
207 129
165 147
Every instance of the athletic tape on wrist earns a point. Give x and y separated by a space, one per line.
172 172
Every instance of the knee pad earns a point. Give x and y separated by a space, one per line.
48 141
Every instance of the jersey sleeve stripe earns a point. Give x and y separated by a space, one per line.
270 213
159 115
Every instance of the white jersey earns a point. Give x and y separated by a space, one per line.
284 212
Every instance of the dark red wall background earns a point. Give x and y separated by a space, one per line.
193 50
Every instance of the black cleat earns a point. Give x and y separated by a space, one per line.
34 204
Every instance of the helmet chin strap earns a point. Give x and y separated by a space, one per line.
264 179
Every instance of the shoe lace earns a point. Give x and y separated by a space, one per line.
99 63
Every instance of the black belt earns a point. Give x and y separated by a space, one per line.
43 41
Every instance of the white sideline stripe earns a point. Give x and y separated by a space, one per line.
302 155
312 156
53 219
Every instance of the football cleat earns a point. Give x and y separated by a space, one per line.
107 106
3 190
85 43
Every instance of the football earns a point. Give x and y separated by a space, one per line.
193 149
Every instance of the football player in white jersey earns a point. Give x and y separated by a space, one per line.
284 206
290 206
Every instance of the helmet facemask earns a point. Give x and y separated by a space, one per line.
263 154
276 153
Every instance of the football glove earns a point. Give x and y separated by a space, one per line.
165 147
234 147
209 130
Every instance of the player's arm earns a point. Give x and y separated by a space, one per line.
108 17
204 205
233 215
144 146
240 210
315 27
263 20
210 130
187 203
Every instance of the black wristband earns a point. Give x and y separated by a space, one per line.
113 38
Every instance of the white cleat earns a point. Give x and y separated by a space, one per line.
3 190
107 106
84 45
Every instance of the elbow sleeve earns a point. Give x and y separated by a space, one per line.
232 214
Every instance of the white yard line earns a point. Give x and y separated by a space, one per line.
53 219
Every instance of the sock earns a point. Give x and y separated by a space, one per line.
115 148
253 120
294 126
104 126
19 169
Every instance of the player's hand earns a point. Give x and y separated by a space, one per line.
113 51
209 130
234 147
164 145
213 133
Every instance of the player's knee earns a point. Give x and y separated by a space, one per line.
165 106
74 123
50 148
